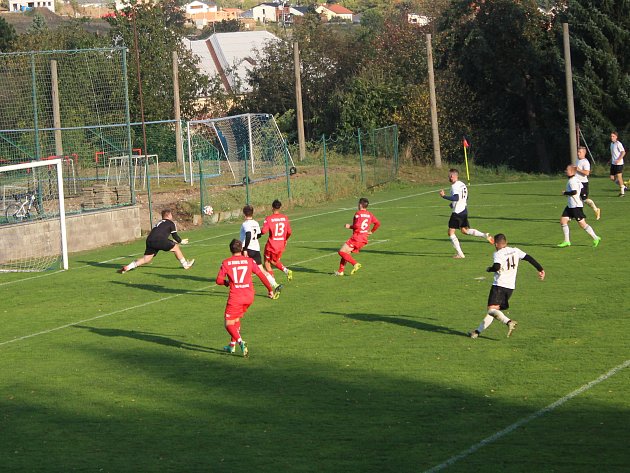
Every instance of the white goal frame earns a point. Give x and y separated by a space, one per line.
62 209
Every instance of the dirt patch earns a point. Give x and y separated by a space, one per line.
174 200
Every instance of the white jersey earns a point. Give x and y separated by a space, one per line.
583 165
574 201
251 225
508 258
460 189
616 149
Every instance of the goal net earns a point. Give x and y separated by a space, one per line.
32 218
251 144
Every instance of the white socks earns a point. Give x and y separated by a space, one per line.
565 230
183 261
477 233
487 320
131 266
455 243
588 229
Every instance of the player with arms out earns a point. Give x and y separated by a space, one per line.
250 233
159 240
583 171
574 209
360 227
459 216
505 268
236 273
279 229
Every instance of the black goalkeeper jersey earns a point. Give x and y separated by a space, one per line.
163 230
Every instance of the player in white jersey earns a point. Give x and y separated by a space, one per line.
583 171
459 216
250 233
574 209
504 267
617 153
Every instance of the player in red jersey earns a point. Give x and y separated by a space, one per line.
360 231
236 273
279 229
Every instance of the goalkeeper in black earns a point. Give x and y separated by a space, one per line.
160 239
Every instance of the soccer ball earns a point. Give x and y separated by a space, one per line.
208 210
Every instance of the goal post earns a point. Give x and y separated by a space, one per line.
33 216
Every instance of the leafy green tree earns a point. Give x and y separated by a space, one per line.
507 54
7 35
160 30
600 34
39 23
329 58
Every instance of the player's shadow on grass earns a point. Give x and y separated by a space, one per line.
148 337
407 253
304 269
517 219
319 248
402 320
96 264
159 289
188 277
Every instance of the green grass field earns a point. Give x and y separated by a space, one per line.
369 373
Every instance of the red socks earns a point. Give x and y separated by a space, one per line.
345 258
234 331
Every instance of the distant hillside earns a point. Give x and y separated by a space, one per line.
22 21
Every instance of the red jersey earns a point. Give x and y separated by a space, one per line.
239 270
361 225
279 230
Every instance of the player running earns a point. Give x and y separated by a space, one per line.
236 273
459 216
250 233
617 153
279 229
504 267
158 239
583 171
360 231
574 209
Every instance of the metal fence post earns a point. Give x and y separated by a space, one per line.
361 156
246 175
325 164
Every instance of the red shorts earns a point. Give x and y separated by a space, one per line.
356 245
236 309
271 254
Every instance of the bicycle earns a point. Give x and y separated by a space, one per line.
21 209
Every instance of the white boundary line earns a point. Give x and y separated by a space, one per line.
119 311
525 420
126 309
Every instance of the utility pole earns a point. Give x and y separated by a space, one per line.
570 105
298 101
434 119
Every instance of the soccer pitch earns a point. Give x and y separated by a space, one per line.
366 373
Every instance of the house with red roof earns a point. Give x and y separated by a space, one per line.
334 12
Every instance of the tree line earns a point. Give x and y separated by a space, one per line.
499 70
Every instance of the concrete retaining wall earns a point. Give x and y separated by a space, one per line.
86 231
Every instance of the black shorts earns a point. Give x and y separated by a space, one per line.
459 220
153 246
500 296
576 213
584 191
255 255
616 169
